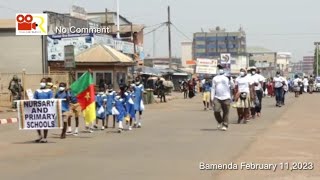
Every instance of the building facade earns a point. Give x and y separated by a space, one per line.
308 64
186 53
212 44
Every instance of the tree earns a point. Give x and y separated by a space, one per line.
315 62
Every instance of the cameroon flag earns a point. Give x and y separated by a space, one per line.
83 89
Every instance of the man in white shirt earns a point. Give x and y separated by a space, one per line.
258 81
221 97
285 90
305 84
278 81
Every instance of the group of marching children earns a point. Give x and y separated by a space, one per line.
121 106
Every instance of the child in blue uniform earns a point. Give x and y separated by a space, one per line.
120 106
138 93
101 100
62 93
111 94
129 95
43 93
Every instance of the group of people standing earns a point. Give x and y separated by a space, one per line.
122 106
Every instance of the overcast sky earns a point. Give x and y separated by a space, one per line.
278 25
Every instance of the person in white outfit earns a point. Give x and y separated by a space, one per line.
305 84
221 98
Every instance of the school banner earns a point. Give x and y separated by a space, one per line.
39 114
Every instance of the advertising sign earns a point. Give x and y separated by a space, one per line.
206 66
206 70
225 58
56 44
69 57
39 114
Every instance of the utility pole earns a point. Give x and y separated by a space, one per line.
118 20
169 36
154 43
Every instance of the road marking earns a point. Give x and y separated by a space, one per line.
8 121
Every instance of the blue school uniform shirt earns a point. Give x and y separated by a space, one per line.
129 106
138 92
100 100
65 103
110 101
43 94
119 104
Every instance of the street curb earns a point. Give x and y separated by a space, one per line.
8 121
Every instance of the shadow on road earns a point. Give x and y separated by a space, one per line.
32 142
208 130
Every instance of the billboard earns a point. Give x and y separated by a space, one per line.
206 66
56 44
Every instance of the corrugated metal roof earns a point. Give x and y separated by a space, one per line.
7 23
102 54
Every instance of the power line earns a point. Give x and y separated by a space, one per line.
181 32
161 25
158 39
153 25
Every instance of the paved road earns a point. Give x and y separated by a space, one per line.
175 138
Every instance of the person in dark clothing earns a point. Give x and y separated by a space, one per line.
123 88
162 91
157 87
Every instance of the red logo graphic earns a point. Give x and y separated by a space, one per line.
25 22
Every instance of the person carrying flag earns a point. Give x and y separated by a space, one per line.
83 89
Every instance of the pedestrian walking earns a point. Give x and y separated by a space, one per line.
111 95
62 93
101 105
285 91
311 84
129 96
220 95
279 82
76 109
258 80
119 104
206 88
138 102
243 90
43 93
305 84
296 85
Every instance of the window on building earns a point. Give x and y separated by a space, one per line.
105 77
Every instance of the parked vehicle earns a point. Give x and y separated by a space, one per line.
317 84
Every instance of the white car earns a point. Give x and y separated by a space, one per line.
317 84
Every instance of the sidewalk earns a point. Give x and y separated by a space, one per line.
293 138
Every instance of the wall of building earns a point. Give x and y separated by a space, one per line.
20 52
186 53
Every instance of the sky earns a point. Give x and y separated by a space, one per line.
279 25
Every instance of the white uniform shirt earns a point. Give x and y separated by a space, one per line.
305 82
296 82
243 84
278 81
257 78
221 88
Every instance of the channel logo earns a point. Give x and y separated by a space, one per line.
31 24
